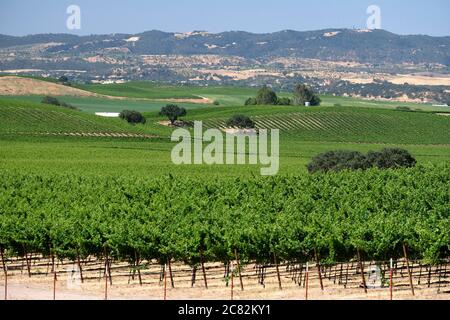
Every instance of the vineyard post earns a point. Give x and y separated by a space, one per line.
106 272
232 281
391 282
278 271
239 269
79 266
54 284
203 268
429 275
409 270
307 280
165 282
361 266
170 272
137 259
3 258
6 282
28 263
106 280
440 277
318 269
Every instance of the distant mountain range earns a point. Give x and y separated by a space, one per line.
362 46
365 63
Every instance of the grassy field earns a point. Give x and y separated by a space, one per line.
304 133
25 143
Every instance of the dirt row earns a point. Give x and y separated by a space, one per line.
342 281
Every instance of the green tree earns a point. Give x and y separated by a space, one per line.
284 102
251 102
240 121
132 117
172 112
303 94
63 79
391 158
337 161
266 96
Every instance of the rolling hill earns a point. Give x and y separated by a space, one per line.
376 46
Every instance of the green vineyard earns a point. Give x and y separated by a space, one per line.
353 124
331 217
19 117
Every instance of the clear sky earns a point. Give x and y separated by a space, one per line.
22 17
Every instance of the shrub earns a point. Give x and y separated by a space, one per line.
172 112
132 117
402 108
337 161
353 160
391 159
63 79
216 103
303 94
55 102
50 100
266 96
251 102
338 105
284 102
240 121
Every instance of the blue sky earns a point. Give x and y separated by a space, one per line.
21 17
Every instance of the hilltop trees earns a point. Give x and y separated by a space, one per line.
266 96
303 94
133 117
172 112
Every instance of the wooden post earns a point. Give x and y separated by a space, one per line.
232 283
239 269
6 282
361 267
307 280
137 262
54 284
346 275
165 283
106 280
420 273
194 273
278 271
409 271
109 271
79 267
318 269
106 273
170 272
28 264
3 258
439 278
429 275
391 280
299 278
203 268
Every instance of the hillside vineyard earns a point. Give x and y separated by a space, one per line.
331 216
